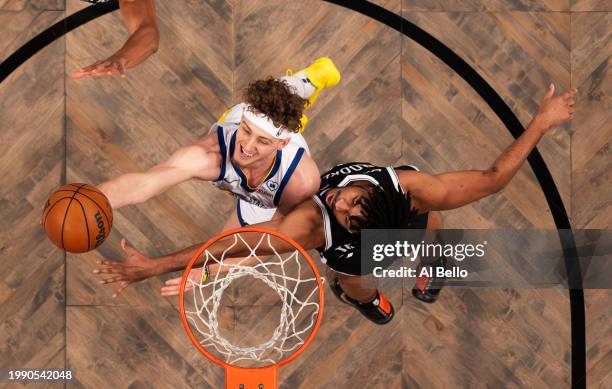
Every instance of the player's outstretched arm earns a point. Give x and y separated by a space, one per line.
456 189
140 20
200 160
304 225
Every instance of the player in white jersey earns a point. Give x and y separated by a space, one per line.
255 151
255 204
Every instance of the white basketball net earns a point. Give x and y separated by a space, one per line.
299 299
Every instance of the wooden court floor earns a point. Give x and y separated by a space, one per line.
396 104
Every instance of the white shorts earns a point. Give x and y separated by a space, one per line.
249 214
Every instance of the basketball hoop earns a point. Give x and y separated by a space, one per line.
299 288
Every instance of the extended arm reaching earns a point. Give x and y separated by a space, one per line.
195 161
303 225
140 20
453 190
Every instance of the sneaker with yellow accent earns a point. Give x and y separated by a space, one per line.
303 122
322 74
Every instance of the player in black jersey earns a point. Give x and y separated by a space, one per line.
361 195
140 20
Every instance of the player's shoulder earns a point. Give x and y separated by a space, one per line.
201 157
233 115
207 144
309 211
411 180
197 153
305 180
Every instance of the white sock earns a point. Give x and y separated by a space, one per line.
300 84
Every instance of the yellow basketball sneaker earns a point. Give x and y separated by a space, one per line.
303 122
322 74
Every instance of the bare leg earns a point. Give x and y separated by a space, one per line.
427 289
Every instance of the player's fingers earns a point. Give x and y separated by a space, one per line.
116 71
79 74
127 248
122 70
107 270
89 68
101 70
121 288
111 280
119 69
100 66
169 291
101 74
570 94
106 262
173 281
174 290
549 92
89 71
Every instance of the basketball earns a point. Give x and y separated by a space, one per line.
77 218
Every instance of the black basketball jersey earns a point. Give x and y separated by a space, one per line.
341 251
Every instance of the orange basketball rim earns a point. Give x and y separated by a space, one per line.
237 377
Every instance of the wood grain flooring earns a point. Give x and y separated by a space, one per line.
487 5
591 168
32 287
396 104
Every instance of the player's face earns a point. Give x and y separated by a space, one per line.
347 205
254 145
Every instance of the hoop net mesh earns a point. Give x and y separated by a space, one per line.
288 276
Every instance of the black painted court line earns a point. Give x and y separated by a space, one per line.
501 109
465 71
49 35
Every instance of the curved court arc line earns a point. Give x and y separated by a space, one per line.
52 33
465 71
545 179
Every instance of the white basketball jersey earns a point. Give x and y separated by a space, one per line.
233 180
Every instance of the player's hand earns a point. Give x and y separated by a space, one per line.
556 110
135 267
173 286
112 66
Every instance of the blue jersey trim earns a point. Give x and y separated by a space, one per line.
277 163
221 140
294 163
240 219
